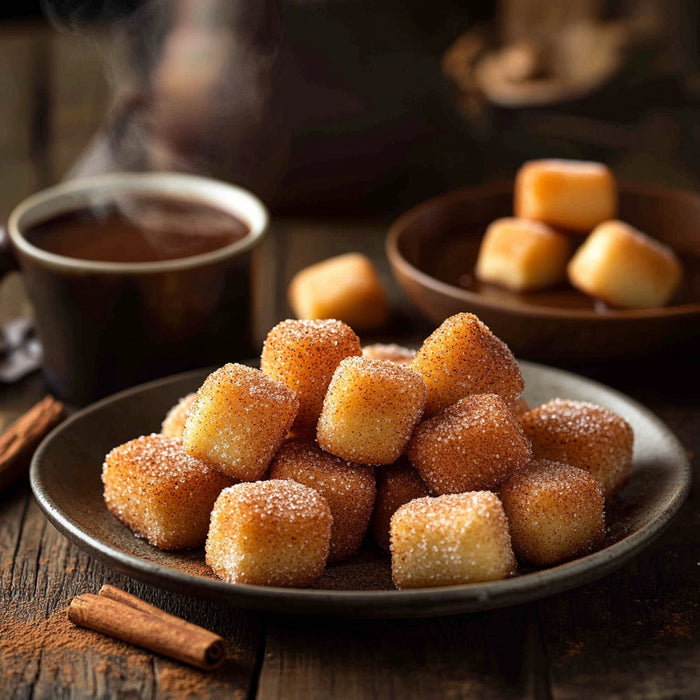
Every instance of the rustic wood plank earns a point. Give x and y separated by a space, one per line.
479 655
41 653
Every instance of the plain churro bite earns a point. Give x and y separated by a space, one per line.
303 355
238 420
346 287
624 267
449 540
269 533
584 435
348 488
370 410
556 512
475 444
522 255
463 357
161 493
174 421
573 194
389 351
397 484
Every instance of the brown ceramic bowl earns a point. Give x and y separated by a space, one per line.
433 247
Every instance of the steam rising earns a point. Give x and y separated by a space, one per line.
191 90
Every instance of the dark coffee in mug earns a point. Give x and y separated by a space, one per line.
138 229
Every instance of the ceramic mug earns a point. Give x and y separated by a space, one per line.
105 326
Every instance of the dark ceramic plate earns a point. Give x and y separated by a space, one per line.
65 478
433 247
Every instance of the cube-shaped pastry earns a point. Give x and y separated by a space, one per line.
161 493
584 435
348 488
474 444
624 267
346 287
303 355
522 255
572 194
450 540
555 511
370 410
397 484
238 420
463 357
269 533
175 419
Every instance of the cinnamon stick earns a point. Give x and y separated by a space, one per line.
24 434
132 620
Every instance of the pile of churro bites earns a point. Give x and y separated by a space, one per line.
282 471
565 226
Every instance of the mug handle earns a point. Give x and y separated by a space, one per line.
8 262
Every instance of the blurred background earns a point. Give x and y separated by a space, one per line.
348 107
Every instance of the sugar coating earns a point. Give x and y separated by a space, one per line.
474 444
389 351
576 195
397 484
370 410
449 540
269 533
303 355
584 435
522 255
624 267
346 287
556 512
160 492
463 357
238 420
174 421
348 488
519 406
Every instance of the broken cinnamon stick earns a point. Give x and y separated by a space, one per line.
24 434
132 620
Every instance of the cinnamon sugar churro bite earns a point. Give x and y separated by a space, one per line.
346 287
348 488
370 410
574 194
174 421
269 533
461 357
625 268
238 420
474 444
303 355
584 435
397 484
556 512
448 540
160 492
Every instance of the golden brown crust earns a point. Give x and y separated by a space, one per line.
556 512
583 435
348 488
462 357
160 492
475 444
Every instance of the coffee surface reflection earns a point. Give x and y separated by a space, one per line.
138 229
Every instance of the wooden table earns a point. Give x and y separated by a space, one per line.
633 634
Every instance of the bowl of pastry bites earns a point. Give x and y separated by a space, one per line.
565 263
